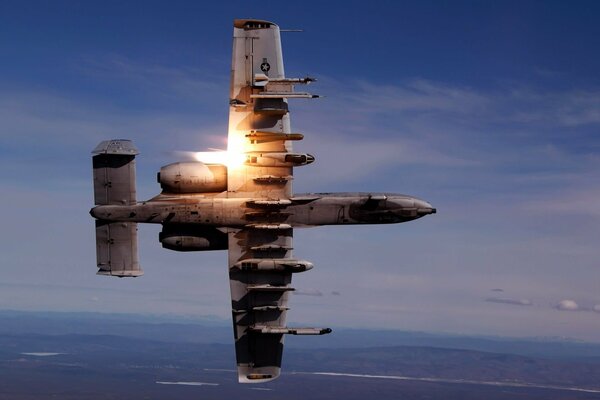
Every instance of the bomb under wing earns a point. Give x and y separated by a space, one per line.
242 202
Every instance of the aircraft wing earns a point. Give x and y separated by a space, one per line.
258 299
260 138
260 276
260 254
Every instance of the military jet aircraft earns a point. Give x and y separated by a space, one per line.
240 200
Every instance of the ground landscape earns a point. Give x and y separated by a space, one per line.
102 356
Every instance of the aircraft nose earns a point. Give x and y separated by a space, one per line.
424 208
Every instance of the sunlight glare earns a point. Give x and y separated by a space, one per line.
234 157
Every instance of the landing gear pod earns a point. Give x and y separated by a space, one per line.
182 237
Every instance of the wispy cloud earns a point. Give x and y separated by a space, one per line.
478 134
567 305
49 133
308 292
188 105
183 83
459 381
417 95
315 292
583 201
572 305
579 108
506 300
188 383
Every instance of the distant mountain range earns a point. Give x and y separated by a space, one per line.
98 356
213 330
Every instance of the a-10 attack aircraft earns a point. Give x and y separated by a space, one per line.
242 203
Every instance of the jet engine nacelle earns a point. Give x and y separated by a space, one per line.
181 237
193 177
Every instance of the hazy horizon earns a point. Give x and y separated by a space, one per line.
489 111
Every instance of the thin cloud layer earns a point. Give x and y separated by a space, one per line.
308 292
161 81
473 133
417 95
505 300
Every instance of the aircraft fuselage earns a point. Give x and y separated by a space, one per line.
300 211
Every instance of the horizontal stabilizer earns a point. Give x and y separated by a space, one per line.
113 162
114 172
116 249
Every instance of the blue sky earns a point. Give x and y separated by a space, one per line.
490 111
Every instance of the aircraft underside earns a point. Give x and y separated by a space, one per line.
242 203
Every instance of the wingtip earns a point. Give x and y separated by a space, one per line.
257 375
252 23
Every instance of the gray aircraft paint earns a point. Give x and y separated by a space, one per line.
248 208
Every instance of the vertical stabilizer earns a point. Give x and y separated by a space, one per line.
114 184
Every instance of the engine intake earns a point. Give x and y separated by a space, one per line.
193 177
